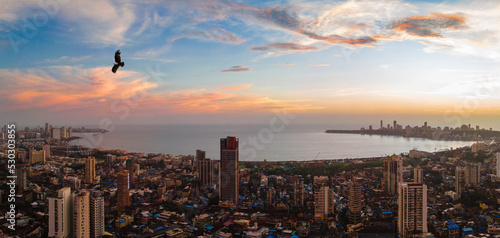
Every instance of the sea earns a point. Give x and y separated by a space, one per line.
259 142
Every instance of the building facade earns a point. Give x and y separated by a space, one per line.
324 201
36 156
355 202
459 181
472 173
90 170
204 169
418 175
393 174
229 171
123 191
81 214
412 209
60 214
96 216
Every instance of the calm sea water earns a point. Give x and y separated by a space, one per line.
294 142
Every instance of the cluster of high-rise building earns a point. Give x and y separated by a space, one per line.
76 214
48 132
412 197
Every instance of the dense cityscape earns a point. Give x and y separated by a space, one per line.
64 190
250 119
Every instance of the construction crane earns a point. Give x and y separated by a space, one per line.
317 156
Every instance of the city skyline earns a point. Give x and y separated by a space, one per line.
218 62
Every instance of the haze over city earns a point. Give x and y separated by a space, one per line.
344 62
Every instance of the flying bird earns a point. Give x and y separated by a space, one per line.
118 62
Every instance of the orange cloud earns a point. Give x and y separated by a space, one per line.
427 26
236 87
67 87
96 91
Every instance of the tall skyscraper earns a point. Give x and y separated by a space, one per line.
324 201
81 214
46 128
60 214
393 173
63 132
122 191
229 171
204 168
96 216
472 173
459 180
355 202
418 175
412 209
90 170
498 164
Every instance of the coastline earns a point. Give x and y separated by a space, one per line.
292 145
461 135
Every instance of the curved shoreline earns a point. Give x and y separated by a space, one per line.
438 136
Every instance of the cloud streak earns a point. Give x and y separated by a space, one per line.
236 87
428 26
215 34
237 69
66 59
284 47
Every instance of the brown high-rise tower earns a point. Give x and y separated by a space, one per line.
229 172
122 192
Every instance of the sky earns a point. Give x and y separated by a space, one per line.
189 61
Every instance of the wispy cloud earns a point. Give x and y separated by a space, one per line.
237 69
236 87
429 26
214 34
278 48
66 59
286 64
96 22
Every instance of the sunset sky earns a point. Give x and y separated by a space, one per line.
211 61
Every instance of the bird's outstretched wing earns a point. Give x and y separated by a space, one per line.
115 68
